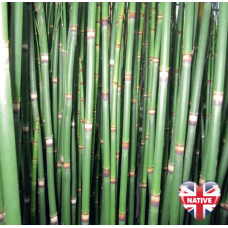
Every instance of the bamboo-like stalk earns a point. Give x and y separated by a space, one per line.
133 140
222 166
66 176
85 47
96 76
145 126
153 96
216 108
213 134
74 173
60 101
35 113
119 120
139 62
144 88
167 192
97 160
54 93
197 157
176 63
96 198
160 123
208 101
109 209
74 145
126 116
183 97
113 105
88 112
166 149
8 154
195 26
39 80
82 123
34 171
151 67
213 54
195 95
102 149
47 112
15 70
196 90
26 155
80 134
112 49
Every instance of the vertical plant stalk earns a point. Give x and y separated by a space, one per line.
96 76
213 54
47 112
139 51
34 171
208 101
89 112
74 173
183 97
196 91
97 157
102 148
35 113
60 103
66 177
150 161
133 134
113 105
144 87
119 121
82 32
218 87
222 167
55 94
80 134
15 71
145 127
176 63
160 123
112 49
208 116
9 173
153 98
167 193
82 117
26 155
97 167
197 157
126 115
109 208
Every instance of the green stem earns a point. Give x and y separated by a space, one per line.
47 112
183 97
126 115
9 173
161 111
15 70
109 205
89 112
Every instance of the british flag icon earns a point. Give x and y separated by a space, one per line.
199 201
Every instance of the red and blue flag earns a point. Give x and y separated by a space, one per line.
199 201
